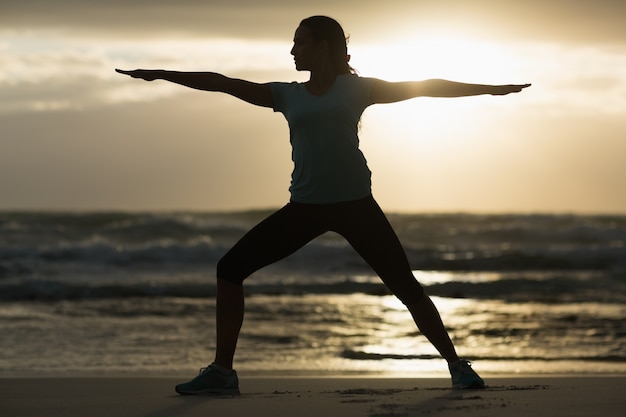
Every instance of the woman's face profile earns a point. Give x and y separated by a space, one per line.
306 50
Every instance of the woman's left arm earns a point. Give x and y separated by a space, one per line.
390 92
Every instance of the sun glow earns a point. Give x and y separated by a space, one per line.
453 57
436 55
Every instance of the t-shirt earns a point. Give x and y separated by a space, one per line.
329 167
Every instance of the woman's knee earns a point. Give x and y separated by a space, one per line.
408 291
230 270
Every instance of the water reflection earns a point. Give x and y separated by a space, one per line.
372 333
312 334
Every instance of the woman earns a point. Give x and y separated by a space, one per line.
330 188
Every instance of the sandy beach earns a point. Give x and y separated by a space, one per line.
568 396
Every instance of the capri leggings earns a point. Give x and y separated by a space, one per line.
361 222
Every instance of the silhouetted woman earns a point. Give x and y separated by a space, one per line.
330 187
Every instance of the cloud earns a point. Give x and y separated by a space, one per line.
47 71
599 21
576 78
224 18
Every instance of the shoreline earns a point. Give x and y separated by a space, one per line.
281 374
146 396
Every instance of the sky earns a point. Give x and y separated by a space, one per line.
75 135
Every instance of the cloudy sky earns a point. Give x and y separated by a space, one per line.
76 135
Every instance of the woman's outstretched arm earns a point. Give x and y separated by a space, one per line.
254 93
389 92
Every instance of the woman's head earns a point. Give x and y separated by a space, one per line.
324 28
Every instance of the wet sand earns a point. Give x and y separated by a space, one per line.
568 396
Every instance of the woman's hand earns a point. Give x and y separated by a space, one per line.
501 90
148 75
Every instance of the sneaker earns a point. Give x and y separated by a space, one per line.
213 380
463 376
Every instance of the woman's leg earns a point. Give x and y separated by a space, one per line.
369 232
275 238
429 322
228 318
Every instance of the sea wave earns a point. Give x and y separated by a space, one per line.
204 252
371 356
77 255
555 287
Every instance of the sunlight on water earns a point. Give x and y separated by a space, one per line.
314 334
439 277
135 293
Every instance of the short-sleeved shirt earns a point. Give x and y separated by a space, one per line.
329 167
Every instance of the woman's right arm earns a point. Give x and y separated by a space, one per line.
254 93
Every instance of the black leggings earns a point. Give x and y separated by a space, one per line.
361 222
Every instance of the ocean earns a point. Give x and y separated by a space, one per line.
119 293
